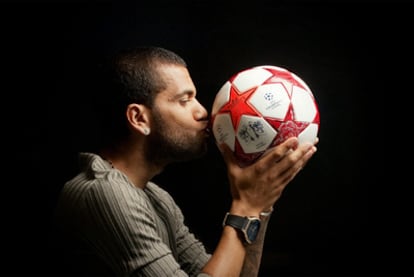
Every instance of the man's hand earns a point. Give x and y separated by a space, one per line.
257 187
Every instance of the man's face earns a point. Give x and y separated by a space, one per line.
179 121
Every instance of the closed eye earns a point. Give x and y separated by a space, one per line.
184 97
185 100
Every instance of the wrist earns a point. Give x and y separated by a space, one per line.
241 209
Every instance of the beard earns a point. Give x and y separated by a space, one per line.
167 143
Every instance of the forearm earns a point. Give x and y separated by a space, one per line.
227 259
254 252
234 257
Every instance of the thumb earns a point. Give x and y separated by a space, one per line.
227 154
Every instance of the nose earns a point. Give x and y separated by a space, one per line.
200 112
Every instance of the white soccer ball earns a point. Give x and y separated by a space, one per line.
260 107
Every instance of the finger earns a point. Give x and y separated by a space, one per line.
308 156
278 152
316 141
303 153
228 155
298 159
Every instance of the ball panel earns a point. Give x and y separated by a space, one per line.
288 129
222 97
271 100
250 78
237 105
303 105
223 130
254 134
309 134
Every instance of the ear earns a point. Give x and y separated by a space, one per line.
138 118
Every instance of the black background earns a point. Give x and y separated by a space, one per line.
334 219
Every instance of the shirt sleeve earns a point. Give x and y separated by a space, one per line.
192 255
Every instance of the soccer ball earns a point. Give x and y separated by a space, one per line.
259 108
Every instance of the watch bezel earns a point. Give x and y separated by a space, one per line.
249 233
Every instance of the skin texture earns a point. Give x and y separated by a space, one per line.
177 125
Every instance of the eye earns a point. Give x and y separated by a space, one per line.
185 100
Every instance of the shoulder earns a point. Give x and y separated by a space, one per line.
99 183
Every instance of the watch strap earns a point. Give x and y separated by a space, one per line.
236 221
248 226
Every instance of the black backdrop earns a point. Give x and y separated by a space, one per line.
331 218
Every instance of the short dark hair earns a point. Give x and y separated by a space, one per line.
129 76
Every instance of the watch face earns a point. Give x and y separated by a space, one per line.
252 230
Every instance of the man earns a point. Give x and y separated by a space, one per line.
115 221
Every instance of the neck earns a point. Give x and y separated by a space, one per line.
131 161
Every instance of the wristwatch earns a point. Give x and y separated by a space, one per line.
249 226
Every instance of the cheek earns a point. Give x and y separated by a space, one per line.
177 125
173 118
178 120
167 123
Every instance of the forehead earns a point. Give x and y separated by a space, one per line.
177 79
